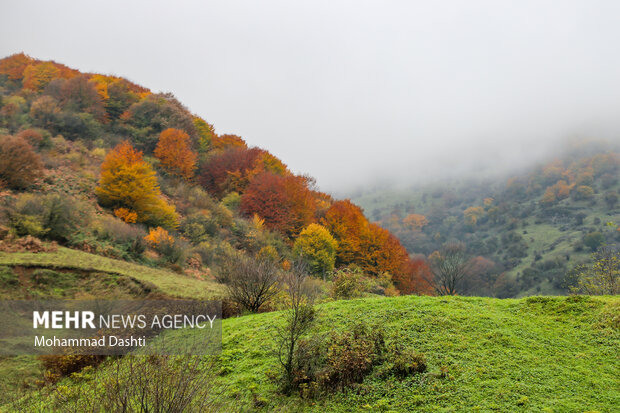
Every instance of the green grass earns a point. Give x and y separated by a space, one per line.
549 354
167 282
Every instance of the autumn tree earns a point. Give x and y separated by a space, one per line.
127 181
317 246
347 223
206 134
228 171
227 142
19 164
372 248
147 118
382 252
473 214
284 202
416 278
37 76
14 65
449 267
77 94
415 222
175 153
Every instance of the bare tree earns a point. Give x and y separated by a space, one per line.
250 282
297 319
449 266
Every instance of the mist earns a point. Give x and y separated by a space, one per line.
357 93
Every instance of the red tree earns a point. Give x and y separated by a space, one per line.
416 278
284 202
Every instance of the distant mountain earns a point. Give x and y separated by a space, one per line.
528 231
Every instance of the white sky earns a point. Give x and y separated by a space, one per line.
355 91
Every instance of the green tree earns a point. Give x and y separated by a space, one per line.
593 240
603 277
316 245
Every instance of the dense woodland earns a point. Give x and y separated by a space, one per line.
98 163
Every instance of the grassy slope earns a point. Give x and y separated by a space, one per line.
559 353
555 354
167 282
22 371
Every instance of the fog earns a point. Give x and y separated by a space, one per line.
356 92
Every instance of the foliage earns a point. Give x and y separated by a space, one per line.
37 76
51 216
602 277
349 283
230 170
175 154
19 164
127 181
416 278
284 202
206 134
593 240
60 366
144 384
316 245
147 118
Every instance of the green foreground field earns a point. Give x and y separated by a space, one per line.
550 354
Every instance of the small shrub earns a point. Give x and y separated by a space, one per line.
349 283
339 361
405 361
19 164
59 366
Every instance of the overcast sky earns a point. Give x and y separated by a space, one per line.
355 91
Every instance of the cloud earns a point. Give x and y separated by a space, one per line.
355 92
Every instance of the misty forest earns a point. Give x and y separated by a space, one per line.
434 275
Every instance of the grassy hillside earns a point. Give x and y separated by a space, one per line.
156 279
553 354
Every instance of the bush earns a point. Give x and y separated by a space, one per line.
59 366
47 216
19 164
129 239
349 283
172 251
405 361
199 227
339 361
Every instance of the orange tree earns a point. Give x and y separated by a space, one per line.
127 181
175 153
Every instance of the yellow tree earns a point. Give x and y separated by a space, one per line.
415 221
36 77
317 245
175 154
127 181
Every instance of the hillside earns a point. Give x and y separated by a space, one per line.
534 354
528 230
111 190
